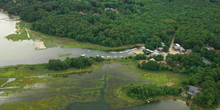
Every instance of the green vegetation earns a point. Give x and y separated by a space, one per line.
65 54
2 81
21 32
157 57
164 77
79 62
140 57
145 92
27 74
194 23
152 66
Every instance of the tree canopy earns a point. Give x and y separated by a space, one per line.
121 22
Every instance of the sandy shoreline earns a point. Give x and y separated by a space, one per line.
41 45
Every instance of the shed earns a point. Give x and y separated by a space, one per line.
217 50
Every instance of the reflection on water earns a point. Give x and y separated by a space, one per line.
97 87
24 52
163 105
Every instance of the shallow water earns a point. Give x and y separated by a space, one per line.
91 91
25 52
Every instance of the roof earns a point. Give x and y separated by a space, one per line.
177 45
152 59
193 90
217 50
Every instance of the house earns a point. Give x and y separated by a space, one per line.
182 49
209 47
163 44
152 59
177 46
160 49
193 90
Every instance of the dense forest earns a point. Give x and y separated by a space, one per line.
143 91
194 23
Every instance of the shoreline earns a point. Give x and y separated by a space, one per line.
63 42
122 95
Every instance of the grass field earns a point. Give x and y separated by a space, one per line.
26 74
161 77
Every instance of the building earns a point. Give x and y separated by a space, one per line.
160 49
163 44
177 46
156 52
182 49
193 90
143 48
152 59
151 51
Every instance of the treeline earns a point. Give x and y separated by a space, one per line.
152 63
194 22
144 57
201 74
153 66
144 92
79 62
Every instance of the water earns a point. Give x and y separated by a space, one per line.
25 52
163 105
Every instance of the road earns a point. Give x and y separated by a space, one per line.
171 50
